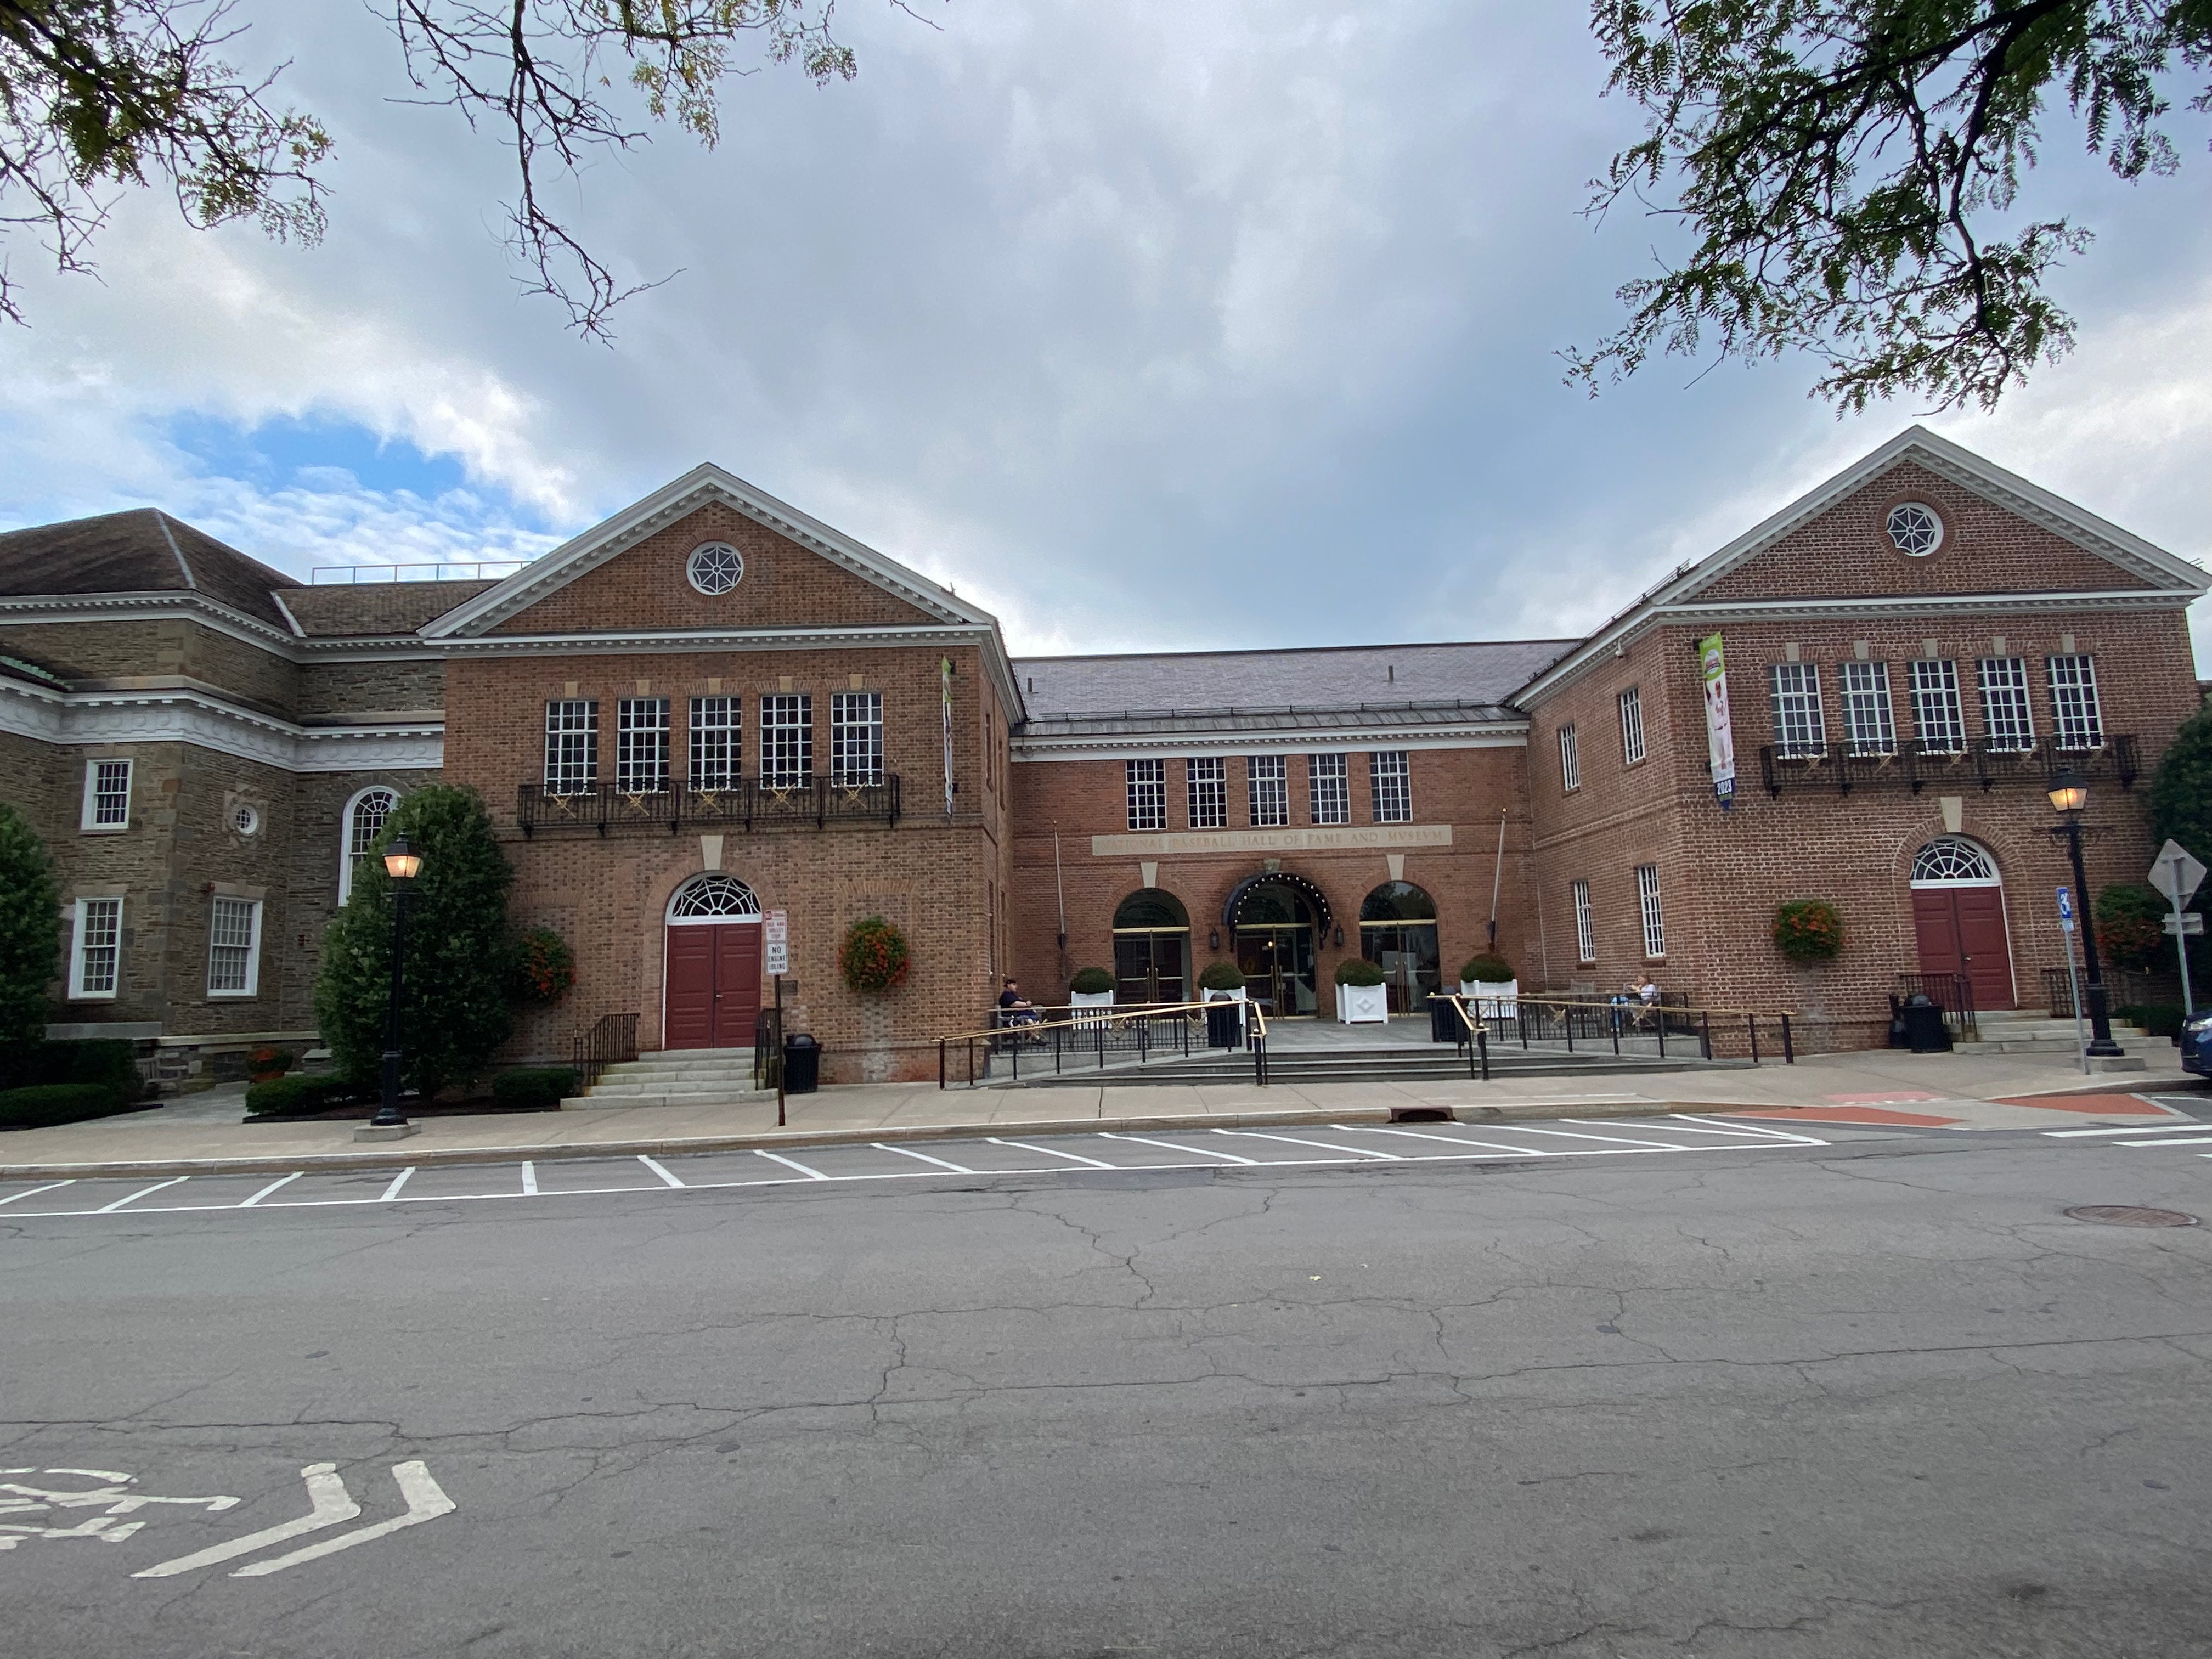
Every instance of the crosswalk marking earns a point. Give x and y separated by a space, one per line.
2131 1129
2170 1141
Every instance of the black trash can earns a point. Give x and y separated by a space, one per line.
802 1064
1925 1031
1444 1023
1225 1026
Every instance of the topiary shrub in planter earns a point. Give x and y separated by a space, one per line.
534 1088
1489 982
873 957
1358 971
1089 981
544 967
44 1105
1360 997
290 1096
1222 976
1808 931
1486 969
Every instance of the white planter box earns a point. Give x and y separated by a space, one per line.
1493 1001
1362 1004
1078 1000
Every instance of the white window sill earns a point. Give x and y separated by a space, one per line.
103 829
232 996
91 996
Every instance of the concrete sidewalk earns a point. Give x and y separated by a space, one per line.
203 1132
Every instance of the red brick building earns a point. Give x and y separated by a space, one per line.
712 708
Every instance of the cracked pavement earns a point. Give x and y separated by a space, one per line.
1881 1397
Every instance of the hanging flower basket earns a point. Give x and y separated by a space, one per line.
874 956
1808 931
544 967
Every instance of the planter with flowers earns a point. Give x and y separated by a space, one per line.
1809 931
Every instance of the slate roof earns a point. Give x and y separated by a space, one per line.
141 551
1481 673
377 610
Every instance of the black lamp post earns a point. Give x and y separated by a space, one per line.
2071 796
401 863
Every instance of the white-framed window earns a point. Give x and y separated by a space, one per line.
362 822
106 795
234 947
1269 780
716 736
641 746
1205 780
1332 788
572 746
1393 782
2080 724
2007 721
1794 690
1869 726
1148 795
1632 725
787 759
1647 902
1939 725
856 738
96 950
1585 932
1570 766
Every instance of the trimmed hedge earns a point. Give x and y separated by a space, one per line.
1486 970
540 1086
109 1062
2156 1019
1222 976
42 1105
1358 971
297 1094
1089 981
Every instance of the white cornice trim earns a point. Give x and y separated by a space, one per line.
1124 745
180 716
1917 604
28 609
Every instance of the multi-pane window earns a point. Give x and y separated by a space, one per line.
96 956
1393 786
2007 720
1632 725
1148 795
572 746
856 738
1570 766
1332 790
1938 723
1268 779
233 948
107 795
1585 933
2074 711
787 759
1647 902
1207 778
1794 690
1868 725
718 743
641 746
364 819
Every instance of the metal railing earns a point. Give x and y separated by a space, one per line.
748 804
450 570
609 1039
1092 1037
1952 993
1838 770
1662 1030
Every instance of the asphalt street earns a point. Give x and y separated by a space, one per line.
1720 1396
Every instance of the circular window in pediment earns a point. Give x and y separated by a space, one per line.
714 568
1914 529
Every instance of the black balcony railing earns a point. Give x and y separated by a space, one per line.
748 804
1839 770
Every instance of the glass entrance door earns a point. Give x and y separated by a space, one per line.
1278 964
1148 968
1407 953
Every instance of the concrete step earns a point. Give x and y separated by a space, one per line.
1240 1071
616 1102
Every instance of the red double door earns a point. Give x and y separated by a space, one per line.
1962 931
713 986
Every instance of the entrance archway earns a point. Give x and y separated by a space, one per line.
1398 934
1958 919
711 986
1275 918
1151 948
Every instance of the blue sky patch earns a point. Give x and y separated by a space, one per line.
312 454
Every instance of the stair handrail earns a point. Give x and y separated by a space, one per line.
610 1040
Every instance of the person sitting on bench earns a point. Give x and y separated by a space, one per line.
1014 1008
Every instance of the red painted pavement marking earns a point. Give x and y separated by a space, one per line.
2091 1105
1848 1115
1883 1098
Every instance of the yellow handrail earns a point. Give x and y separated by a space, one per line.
1090 1019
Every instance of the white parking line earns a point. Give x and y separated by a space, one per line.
790 1163
529 1177
2131 1129
1746 1128
650 1164
282 1181
1462 1140
35 1191
1169 1146
942 1163
1680 1124
2170 1141
1615 1140
1327 1147
398 1182
1078 1157
105 1208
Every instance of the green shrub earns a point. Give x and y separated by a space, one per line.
42 1105
1486 970
30 935
1358 971
1089 981
297 1094
1808 930
109 1062
2156 1019
1222 976
534 1087
2131 926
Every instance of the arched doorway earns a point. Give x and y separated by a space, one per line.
1959 917
1275 918
1151 948
711 990
1398 934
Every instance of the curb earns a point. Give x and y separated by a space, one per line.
431 1157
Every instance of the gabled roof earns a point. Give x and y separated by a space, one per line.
142 550
703 484
2165 573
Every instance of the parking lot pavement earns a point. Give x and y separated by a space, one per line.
885 1163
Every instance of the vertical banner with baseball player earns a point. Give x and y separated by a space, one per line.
1720 736
945 678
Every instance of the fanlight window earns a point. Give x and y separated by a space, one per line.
1914 530
1152 909
1950 860
713 898
1396 901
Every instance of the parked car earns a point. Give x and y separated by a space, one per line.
2197 1046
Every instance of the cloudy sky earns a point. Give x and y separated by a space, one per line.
1149 326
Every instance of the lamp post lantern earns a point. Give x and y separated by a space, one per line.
2069 796
401 863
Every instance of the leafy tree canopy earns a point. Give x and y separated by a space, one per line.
2181 792
1851 169
30 934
